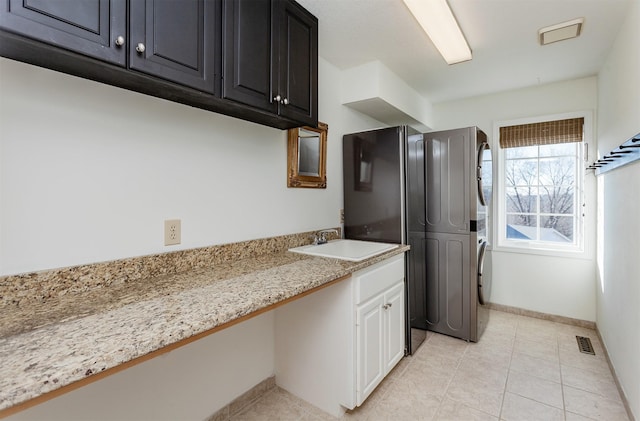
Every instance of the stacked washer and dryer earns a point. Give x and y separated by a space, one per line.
457 184
431 191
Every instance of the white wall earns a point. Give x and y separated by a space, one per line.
89 172
548 284
618 291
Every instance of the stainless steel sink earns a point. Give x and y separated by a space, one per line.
352 250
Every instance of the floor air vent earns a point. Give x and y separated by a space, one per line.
584 344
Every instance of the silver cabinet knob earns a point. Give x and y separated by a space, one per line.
120 41
140 47
285 101
277 98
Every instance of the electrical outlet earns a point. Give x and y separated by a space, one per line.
342 216
172 232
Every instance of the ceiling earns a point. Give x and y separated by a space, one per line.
503 35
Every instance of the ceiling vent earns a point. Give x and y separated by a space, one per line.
561 31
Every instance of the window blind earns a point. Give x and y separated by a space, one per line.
543 133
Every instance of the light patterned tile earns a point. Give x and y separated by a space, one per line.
541 390
495 338
474 391
591 381
568 342
358 414
403 402
316 414
498 322
246 399
537 334
450 379
443 354
507 333
577 359
273 405
538 367
427 378
570 416
447 342
544 350
594 406
368 409
451 410
518 408
449 348
492 375
398 370
434 359
496 353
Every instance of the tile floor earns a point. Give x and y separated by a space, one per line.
521 369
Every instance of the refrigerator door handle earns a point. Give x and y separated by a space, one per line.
422 220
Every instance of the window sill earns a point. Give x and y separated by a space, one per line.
541 251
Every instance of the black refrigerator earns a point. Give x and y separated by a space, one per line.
381 203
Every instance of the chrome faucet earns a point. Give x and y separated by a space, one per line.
321 236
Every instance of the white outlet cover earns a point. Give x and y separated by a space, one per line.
172 232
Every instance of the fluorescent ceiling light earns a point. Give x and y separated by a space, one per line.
561 31
437 20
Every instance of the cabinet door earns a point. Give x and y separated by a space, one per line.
394 326
247 53
89 27
176 40
369 332
298 63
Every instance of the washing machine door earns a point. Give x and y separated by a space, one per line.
484 274
483 175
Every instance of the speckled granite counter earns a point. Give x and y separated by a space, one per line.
62 326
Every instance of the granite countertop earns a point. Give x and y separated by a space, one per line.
51 340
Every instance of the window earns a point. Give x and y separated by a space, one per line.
540 179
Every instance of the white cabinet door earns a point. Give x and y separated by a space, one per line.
370 350
394 326
380 344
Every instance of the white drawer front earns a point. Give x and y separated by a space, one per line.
377 278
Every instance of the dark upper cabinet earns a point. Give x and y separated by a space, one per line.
298 63
96 28
247 68
252 59
270 58
176 40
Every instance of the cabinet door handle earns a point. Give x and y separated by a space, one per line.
277 98
285 101
140 47
386 306
120 41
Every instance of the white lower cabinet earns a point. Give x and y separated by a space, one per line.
333 347
379 329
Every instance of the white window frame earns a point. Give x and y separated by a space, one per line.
499 198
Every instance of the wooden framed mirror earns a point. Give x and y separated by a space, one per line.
307 157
